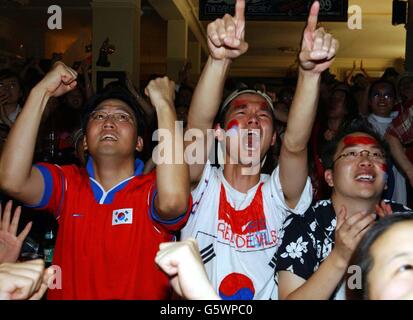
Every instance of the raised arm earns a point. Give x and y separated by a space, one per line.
172 176
17 176
318 50
350 75
225 42
364 71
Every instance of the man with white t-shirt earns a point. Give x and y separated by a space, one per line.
237 213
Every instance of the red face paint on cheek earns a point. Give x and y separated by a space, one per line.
232 128
356 140
383 167
233 124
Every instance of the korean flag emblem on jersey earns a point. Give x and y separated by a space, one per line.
122 216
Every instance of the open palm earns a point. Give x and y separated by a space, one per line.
10 244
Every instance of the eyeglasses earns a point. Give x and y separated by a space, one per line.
375 156
103 116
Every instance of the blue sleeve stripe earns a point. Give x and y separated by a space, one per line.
155 215
48 187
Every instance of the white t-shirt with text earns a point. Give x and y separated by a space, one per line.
239 233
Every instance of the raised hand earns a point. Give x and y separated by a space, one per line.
226 35
10 244
60 80
349 231
161 92
318 47
182 263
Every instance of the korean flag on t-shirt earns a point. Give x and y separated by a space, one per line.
122 216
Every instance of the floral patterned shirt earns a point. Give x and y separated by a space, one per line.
308 240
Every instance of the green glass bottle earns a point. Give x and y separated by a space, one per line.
48 247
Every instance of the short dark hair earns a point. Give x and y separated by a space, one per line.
362 256
377 82
357 125
118 93
390 72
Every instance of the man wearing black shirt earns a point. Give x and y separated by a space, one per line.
317 246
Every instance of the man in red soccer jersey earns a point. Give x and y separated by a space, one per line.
111 217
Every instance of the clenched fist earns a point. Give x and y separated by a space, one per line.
60 80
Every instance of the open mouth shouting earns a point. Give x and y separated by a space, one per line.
251 140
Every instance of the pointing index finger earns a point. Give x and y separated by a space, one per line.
240 10
313 16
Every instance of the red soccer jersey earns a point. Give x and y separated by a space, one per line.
107 241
